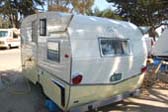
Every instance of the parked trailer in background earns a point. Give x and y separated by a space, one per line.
9 38
82 62
160 49
149 44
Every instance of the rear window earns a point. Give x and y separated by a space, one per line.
114 47
53 51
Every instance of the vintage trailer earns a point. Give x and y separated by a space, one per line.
82 62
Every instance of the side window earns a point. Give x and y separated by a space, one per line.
43 27
114 47
53 51
15 35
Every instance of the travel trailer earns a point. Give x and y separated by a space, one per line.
9 38
82 62
149 44
160 48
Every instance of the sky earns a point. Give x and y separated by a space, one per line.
101 4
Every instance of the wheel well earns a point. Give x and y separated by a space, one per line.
41 89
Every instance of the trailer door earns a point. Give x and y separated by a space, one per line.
29 51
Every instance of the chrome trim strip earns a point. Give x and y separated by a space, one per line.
96 84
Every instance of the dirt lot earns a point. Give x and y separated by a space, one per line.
17 95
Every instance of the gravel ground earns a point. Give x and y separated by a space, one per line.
18 95
10 59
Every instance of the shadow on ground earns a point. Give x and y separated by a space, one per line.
156 100
3 48
17 94
127 106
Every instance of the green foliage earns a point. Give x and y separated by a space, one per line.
82 6
59 5
107 13
15 10
77 6
143 12
4 22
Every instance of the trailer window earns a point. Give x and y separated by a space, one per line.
114 47
15 35
53 51
43 27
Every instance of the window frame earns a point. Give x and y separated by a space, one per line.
114 55
33 39
59 52
43 27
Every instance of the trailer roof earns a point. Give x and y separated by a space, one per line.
79 24
104 27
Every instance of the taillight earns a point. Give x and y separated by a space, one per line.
77 79
144 69
66 56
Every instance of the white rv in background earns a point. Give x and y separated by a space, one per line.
82 62
9 38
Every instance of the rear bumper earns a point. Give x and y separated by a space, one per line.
95 105
93 96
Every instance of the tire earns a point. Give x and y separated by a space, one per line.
9 46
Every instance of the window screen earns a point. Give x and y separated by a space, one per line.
112 47
53 51
43 27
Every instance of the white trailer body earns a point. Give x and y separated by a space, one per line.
160 48
9 38
82 60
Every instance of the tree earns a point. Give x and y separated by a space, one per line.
72 6
107 13
15 10
82 6
59 5
4 22
143 12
